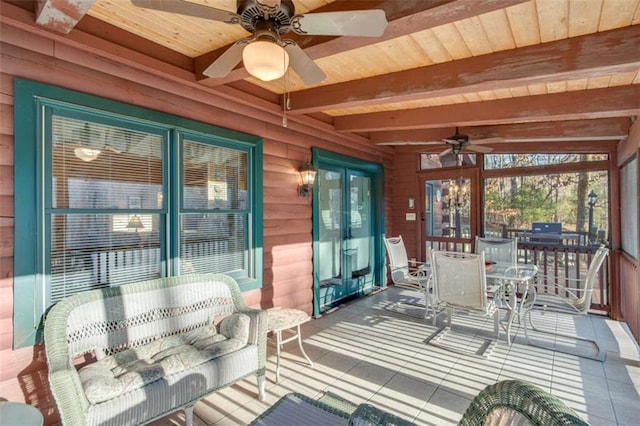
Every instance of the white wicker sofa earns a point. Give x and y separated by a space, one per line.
159 347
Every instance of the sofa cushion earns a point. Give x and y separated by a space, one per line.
135 367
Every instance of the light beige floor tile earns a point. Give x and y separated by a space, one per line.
366 353
443 408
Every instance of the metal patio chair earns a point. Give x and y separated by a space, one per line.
575 300
460 284
413 276
504 250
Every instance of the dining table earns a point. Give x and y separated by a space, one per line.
511 283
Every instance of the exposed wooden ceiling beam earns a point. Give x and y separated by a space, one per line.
404 17
61 15
576 130
580 57
576 105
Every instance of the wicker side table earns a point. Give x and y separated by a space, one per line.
288 321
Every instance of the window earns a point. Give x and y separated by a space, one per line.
629 207
535 193
108 194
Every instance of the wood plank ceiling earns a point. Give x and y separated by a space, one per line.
524 70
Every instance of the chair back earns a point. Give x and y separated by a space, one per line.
459 280
503 250
398 261
584 302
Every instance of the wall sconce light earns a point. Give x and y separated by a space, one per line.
412 202
308 175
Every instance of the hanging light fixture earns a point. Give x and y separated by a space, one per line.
458 191
84 151
265 60
86 154
458 194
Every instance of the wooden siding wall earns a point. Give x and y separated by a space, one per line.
34 55
404 184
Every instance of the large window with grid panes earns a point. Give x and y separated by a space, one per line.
108 194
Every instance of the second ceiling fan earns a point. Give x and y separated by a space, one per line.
458 142
265 54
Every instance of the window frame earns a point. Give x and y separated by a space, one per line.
32 152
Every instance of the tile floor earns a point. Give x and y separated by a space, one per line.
367 351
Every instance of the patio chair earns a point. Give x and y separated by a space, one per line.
515 402
575 300
460 283
415 276
504 250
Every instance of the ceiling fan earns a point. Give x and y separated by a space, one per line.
458 142
265 54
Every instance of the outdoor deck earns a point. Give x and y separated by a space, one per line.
364 352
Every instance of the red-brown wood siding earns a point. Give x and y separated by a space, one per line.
287 218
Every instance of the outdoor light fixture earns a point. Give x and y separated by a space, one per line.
86 154
593 197
265 60
308 175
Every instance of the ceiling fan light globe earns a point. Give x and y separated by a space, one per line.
265 60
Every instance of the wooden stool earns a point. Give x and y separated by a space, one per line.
287 320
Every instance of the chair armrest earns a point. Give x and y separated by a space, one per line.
526 399
258 334
64 379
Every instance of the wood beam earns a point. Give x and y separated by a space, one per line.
577 130
61 15
576 105
405 17
614 51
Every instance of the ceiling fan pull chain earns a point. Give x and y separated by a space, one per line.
286 99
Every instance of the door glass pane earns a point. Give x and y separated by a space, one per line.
360 241
447 208
330 235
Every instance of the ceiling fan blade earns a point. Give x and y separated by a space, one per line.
190 9
364 23
479 148
400 143
446 151
487 140
227 61
303 65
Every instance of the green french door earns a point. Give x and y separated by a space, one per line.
346 233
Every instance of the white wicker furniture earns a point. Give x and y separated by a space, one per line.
415 276
156 346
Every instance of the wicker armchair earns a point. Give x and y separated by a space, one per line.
516 402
